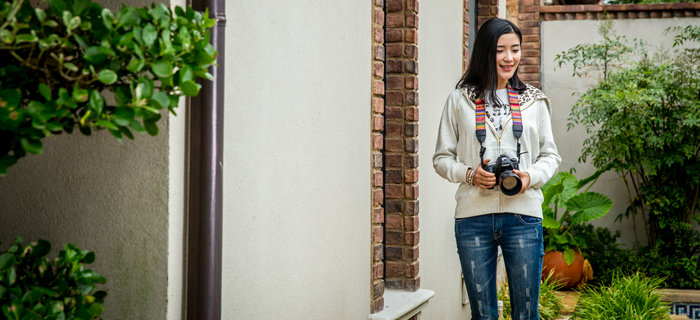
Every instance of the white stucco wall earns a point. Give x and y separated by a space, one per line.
559 86
102 197
297 160
440 62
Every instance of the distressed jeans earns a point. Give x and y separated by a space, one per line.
520 238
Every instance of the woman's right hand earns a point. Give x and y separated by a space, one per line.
484 179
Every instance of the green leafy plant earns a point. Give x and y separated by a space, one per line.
77 65
675 268
550 304
633 297
565 207
33 287
643 121
612 52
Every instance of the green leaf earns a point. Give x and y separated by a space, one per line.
127 17
186 73
549 220
45 91
190 88
97 102
588 206
74 23
144 88
11 276
6 36
51 24
162 68
7 260
10 98
137 126
135 64
161 99
31 145
41 249
107 19
107 76
80 95
149 35
150 124
40 14
569 256
123 116
97 55
21 38
70 66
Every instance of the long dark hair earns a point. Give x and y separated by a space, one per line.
481 73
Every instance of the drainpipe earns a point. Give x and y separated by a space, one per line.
206 120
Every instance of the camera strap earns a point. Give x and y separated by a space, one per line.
515 116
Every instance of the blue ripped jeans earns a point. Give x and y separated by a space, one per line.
520 238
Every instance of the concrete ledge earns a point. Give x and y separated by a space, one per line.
402 305
680 295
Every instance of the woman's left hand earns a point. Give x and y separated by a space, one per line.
524 178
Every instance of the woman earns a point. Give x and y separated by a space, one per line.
493 122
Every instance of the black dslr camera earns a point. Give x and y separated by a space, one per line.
505 177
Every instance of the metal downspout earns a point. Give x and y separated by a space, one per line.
204 244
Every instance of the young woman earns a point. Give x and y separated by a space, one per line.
495 139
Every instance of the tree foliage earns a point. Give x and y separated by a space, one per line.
643 120
76 65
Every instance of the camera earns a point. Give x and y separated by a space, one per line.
505 177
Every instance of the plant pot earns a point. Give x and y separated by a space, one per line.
567 276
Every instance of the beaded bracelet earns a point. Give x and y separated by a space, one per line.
470 176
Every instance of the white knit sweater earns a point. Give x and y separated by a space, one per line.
457 149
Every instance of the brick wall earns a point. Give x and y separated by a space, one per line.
486 9
465 35
401 145
378 52
529 24
620 11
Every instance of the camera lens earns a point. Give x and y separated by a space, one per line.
510 183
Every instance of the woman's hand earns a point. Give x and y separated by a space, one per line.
524 178
484 179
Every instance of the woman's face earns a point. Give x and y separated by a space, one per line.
507 57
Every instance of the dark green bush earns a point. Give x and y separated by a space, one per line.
76 65
606 256
33 287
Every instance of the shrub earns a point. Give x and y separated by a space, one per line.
633 297
33 287
76 65
643 120
606 256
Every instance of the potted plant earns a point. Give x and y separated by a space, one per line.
564 207
73 64
34 287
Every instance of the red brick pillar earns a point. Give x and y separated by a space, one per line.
377 277
529 24
486 9
465 35
401 145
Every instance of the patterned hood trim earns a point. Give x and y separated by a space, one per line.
527 97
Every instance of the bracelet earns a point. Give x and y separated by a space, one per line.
470 176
